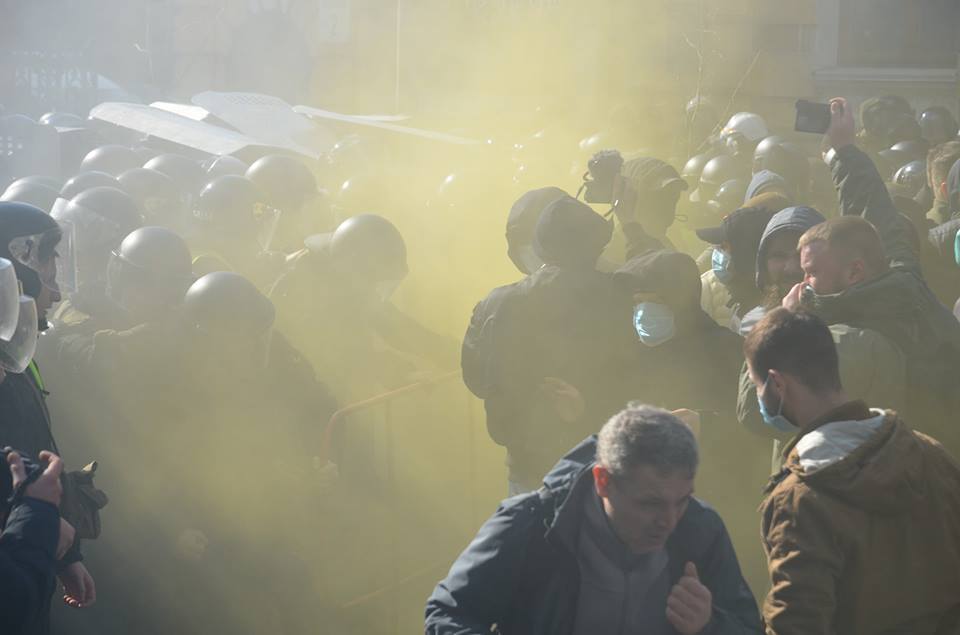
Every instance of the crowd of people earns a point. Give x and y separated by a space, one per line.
819 306
776 312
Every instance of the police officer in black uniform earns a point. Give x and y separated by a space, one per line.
335 304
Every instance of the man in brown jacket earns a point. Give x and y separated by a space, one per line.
862 526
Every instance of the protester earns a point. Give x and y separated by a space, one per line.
267 375
861 270
614 542
730 288
546 374
851 509
682 359
939 162
778 263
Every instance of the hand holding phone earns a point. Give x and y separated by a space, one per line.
812 117
843 130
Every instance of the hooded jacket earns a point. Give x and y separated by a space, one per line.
563 321
522 221
560 322
795 219
521 571
862 530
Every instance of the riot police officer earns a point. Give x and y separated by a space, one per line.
291 188
784 158
95 221
231 229
162 201
335 304
938 125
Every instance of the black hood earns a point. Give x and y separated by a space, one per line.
523 217
570 234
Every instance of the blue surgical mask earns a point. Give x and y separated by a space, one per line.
777 421
654 322
722 265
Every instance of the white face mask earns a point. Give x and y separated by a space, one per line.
528 258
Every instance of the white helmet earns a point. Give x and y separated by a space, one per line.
750 125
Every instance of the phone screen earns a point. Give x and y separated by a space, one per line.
812 117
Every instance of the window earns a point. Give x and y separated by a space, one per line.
899 33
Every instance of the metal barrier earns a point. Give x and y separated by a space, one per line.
406 528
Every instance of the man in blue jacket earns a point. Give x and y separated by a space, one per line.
614 542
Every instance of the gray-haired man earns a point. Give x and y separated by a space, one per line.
614 542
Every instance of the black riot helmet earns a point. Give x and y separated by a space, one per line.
112 159
890 161
224 165
32 193
62 120
728 197
937 125
28 238
149 272
227 304
95 221
765 151
41 179
85 181
693 168
912 150
188 174
111 203
886 120
786 159
910 178
286 181
716 172
229 204
369 248
160 199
